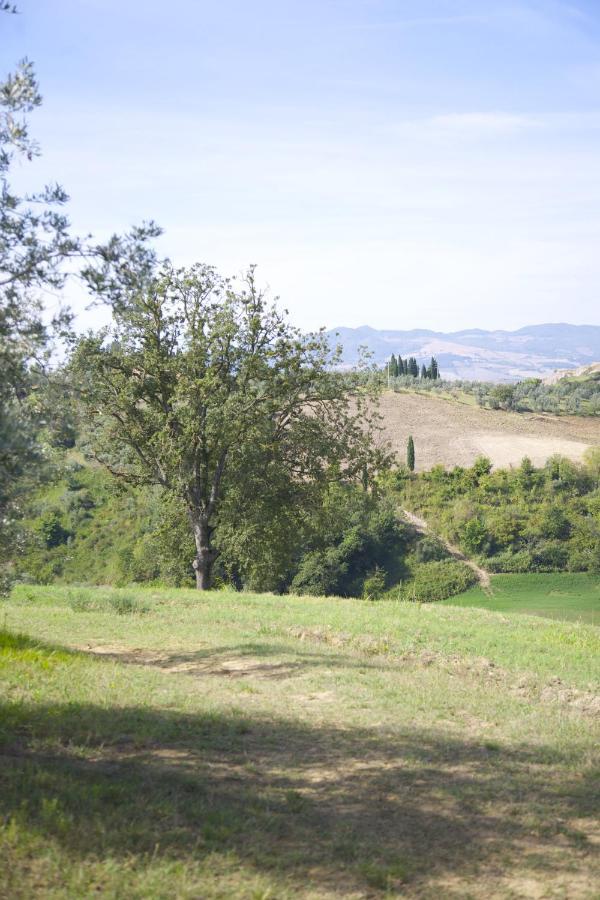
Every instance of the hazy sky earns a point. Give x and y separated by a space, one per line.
397 163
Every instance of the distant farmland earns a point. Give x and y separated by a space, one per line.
453 433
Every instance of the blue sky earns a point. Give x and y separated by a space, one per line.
415 163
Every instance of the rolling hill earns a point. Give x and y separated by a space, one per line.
453 433
534 351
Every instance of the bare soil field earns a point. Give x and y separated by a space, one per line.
455 434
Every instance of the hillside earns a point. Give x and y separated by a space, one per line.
478 355
583 373
161 744
455 434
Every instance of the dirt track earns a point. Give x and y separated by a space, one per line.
453 433
421 525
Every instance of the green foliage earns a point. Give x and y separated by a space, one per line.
374 585
84 600
474 536
123 534
50 527
572 396
34 242
517 520
428 549
410 454
510 561
203 387
437 580
86 528
354 536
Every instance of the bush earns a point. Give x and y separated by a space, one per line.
524 519
550 556
374 586
438 580
51 529
509 562
428 549
474 536
363 537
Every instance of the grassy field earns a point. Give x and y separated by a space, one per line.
573 597
165 744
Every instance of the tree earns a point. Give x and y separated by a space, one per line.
424 373
412 367
393 367
401 366
203 387
503 396
591 459
34 243
434 369
410 453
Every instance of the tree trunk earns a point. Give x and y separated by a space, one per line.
205 555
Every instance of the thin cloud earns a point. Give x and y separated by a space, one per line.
470 125
432 21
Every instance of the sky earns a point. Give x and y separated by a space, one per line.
394 163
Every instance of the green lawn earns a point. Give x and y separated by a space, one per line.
161 743
568 596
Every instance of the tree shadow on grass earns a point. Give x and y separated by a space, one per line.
353 810
359 809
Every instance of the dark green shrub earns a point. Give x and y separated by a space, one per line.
510 562
474 536
550 556
374 585
438 580
428 549
51 529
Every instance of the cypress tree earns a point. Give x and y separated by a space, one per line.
410 453
393 367
412 367
435 372
424 371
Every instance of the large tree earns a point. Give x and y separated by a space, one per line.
203 387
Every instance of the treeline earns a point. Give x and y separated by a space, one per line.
568 396
84 526
571 396
525 519
398 367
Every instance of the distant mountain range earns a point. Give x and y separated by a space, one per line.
476 355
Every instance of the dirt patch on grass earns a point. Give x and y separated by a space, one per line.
203 664
200 663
